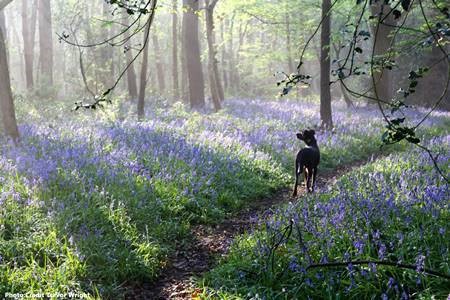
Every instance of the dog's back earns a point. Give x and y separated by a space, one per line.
309 157
307 160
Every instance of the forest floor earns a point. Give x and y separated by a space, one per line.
210 242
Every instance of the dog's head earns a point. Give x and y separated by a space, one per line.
307 136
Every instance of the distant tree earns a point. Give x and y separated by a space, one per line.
143 80
46 42
175 83
382 33
192 54
7 110
28 34
213 69
325 93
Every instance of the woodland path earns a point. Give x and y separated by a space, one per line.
210 242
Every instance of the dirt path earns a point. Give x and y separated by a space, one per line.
208 243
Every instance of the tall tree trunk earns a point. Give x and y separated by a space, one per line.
213 70
143 80
325 93
383 39
345 95
131 73
7 110
159 65
33 26
231 63
184 72
192 55
3 27
107 52
176 92
224 56
27 45
432 85
46 42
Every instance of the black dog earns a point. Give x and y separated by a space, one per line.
307 160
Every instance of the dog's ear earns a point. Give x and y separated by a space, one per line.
312 131
299 136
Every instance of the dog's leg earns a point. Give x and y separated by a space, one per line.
297 173
314 178
305 176
308 179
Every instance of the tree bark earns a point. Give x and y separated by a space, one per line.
325 93
213 70
345 95
27 48
176 92
192 55
6 100
45 42
383 40
4 3
3 27
159 65
143 80
184 72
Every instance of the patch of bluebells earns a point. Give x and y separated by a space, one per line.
393 210
151 178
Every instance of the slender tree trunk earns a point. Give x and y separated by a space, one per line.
213 70
176 92
224 56
28 54
131 73
33 27
184 72
46 42
107 52
345 95
325 93
231 63
383 40
192 55
159 65
143 81
7 110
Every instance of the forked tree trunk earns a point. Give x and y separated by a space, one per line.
143 80
176 92
325 93
7 110
45 42
192 55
